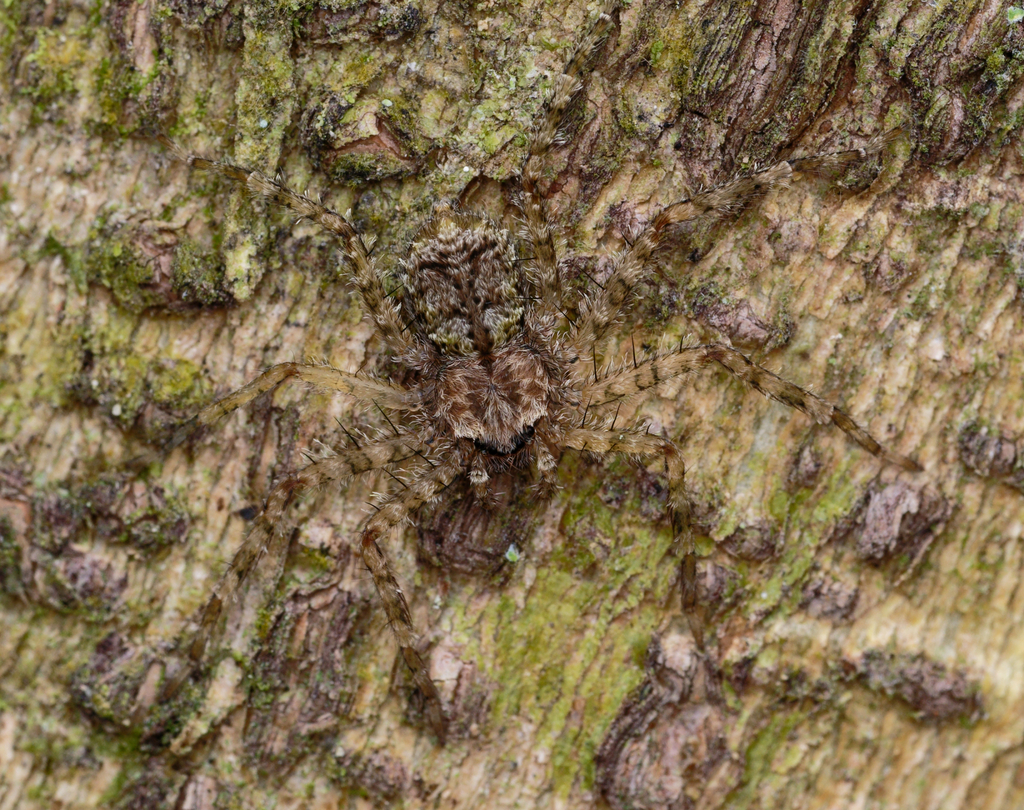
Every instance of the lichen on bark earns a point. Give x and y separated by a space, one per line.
131 293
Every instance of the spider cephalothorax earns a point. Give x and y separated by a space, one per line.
491 380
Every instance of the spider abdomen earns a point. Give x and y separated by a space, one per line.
462 285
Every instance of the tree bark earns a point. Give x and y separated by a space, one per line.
865 637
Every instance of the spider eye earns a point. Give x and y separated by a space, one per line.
518 443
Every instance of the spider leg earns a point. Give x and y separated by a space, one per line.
564 88
269 524
385 394
365 275
603 440
630 265
631 381
390 513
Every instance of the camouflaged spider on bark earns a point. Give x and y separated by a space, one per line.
496 377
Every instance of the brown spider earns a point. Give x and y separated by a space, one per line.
495 378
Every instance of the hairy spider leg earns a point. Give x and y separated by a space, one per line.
365 275
364 388
389 514
270 523
600 311
637 443
629 382
544 264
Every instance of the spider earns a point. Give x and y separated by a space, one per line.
497 378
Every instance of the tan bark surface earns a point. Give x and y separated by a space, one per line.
866 629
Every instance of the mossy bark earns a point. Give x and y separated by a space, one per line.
865 630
